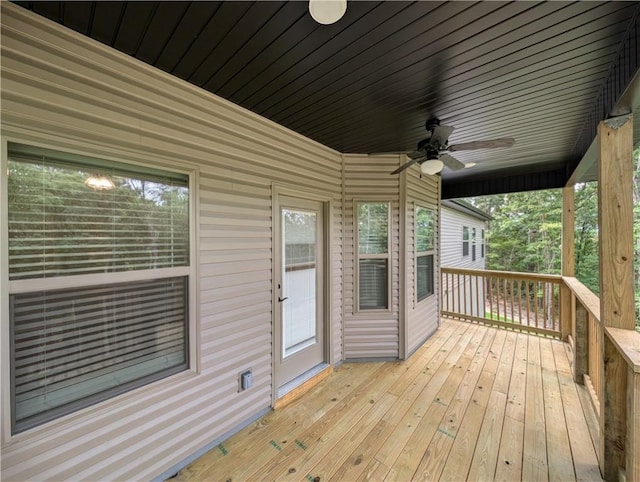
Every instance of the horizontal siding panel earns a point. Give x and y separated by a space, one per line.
367 178
422 317
68 92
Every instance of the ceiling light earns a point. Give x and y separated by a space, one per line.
327 11
99 183
431 167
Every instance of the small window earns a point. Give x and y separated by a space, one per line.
482 243
473 244
465 241
425 242
373 256
117 238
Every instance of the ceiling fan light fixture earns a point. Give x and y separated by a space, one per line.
431 167
99 183
327 12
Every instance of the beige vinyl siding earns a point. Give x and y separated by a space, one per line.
370 334
422 318
64 91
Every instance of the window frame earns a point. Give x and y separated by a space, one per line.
358 256
482 243
20 286
465 241
419 254
473 243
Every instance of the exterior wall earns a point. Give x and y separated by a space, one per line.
451 256
451 239
370 334
64 91
422 318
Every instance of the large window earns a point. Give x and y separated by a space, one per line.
465 241
373 256
425 242
98 280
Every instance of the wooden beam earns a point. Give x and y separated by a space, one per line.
568 258
615 232
615 222
568 231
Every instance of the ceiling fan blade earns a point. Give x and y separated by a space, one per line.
440 135
451 162
416 154
406 165
490 144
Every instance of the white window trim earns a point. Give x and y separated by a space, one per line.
358 256
468 241
417 254
21 286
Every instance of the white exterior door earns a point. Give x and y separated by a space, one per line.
299 285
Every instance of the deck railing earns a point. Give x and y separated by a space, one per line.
605 359
521 301
585 339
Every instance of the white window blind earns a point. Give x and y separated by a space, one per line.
73 344
58 226
373 255
99 335
425 241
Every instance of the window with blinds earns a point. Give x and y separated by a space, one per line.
92 335
424 230
373 256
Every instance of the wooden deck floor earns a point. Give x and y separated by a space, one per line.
473 403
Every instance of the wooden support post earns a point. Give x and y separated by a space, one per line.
633 425
568 258
581 343
615 223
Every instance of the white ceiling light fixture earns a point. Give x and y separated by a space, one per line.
431 167
327 12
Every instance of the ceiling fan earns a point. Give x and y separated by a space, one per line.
432 152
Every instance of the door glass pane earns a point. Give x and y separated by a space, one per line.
299 280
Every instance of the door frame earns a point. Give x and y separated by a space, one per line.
277 190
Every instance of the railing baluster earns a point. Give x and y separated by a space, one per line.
504 297
520 301
535 306
512 315
528 295
464 297
489 283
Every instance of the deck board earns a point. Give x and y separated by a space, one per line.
474 402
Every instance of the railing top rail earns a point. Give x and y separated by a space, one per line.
628 344
587 298
551 278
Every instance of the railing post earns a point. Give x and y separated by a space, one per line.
633 425
568 257
565 312
581 344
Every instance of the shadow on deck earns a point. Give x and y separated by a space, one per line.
474 402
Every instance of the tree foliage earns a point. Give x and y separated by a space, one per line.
526 232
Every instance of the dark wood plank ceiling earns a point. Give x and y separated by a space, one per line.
366 84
